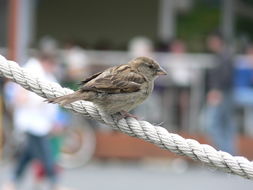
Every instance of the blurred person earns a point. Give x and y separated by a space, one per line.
48 44
243 89
36 119
77 64
180 74
219 111
140 46
55 139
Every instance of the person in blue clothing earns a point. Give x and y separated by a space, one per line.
219 100
243 80
36 120
243 87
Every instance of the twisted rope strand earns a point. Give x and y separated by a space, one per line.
141 129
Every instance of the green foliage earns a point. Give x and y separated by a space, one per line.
194 26
244 27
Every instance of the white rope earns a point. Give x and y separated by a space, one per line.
140 129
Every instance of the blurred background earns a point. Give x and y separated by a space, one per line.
204 45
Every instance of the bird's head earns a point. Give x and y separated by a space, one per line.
147 66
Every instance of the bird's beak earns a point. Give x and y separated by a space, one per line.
160 72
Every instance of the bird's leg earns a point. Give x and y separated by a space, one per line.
125 114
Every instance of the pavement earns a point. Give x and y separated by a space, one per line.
148 175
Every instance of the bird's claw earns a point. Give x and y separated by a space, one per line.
124 114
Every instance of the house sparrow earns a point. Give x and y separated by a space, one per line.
118 89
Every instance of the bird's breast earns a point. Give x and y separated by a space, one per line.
150 87
113 103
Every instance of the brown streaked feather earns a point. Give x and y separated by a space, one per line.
119 79
122 68
89 78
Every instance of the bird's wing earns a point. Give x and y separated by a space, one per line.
89 78
119 79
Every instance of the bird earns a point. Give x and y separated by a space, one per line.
117 89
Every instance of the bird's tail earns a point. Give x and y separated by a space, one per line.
66 99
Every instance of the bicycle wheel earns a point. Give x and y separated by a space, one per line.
78 145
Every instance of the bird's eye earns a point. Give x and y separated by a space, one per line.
151 66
